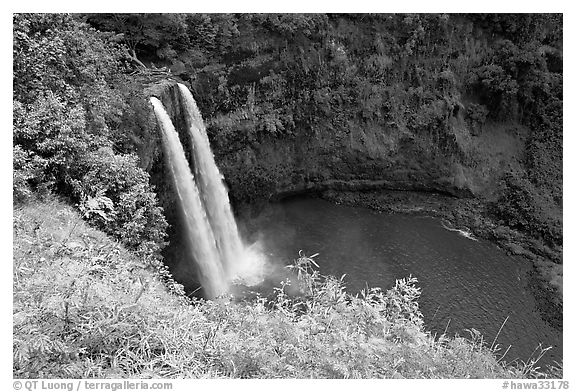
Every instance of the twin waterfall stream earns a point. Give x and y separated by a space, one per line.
217 249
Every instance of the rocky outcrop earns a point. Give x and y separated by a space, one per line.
357 157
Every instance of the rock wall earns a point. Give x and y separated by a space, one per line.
353 157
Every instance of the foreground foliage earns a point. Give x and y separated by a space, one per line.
86 307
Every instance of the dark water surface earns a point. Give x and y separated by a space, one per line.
465 284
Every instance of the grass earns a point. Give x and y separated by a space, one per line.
85 307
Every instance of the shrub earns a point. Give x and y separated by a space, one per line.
27 170
476 113
497 88
57 52
52 134
522 206
132 213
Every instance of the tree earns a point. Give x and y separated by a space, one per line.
159 35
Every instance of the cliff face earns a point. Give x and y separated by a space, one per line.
367 156
354 157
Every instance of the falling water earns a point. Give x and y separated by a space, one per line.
200 234
218 250
214 194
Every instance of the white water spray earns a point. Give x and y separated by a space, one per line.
463 232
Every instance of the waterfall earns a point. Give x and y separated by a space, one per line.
212 188
197 225
218 250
